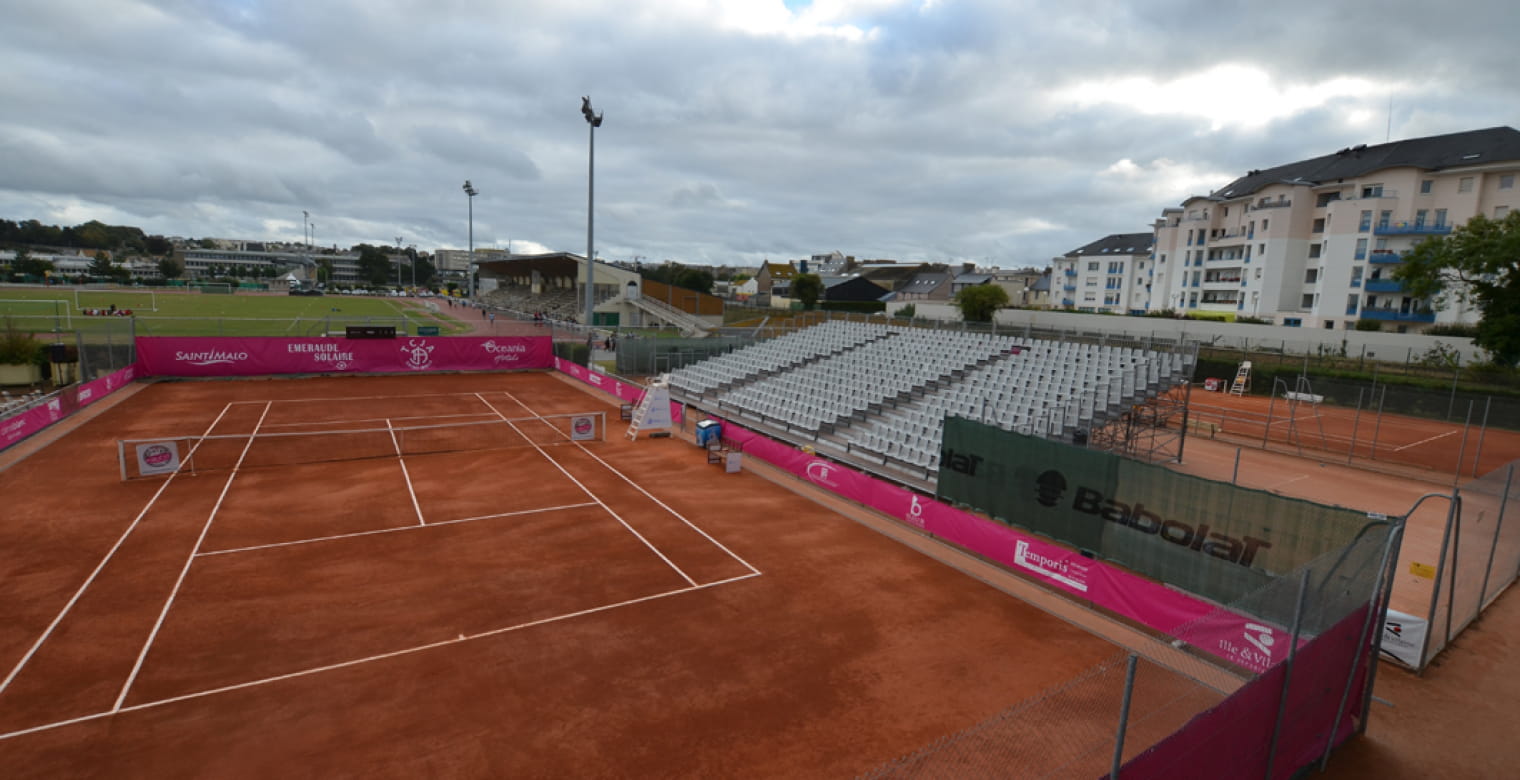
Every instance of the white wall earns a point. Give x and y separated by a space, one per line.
1393 347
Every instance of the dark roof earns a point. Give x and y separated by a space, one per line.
925 282
1116 244
972 278
1474 147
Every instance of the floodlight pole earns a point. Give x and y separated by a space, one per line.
469 281
593 120
399 255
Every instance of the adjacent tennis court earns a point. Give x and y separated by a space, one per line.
447 574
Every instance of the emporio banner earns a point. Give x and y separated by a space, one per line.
69 400
1240 639
259 356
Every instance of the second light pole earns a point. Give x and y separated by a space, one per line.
594 120
469 190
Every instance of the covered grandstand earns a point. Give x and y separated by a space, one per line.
877 394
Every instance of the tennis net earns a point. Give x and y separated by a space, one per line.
140 458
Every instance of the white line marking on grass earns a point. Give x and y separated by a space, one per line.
1425 441
378 657
588 492
407 475
651 497
107 559
162 613
371 532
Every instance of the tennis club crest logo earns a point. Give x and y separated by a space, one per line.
821 472
419 354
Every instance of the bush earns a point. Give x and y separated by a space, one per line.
1246 319
18 348
1369 325
906 312
867 307
1456 331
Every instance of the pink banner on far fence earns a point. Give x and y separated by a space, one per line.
67 401
1239 639
626 391
258 356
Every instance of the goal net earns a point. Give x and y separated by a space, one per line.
141 458
103 300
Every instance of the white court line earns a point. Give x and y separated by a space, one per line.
162 613
1426 441
368 659
371 532
407 475
107 559
461 394
641 489
588 492
309 423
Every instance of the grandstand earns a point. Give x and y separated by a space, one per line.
879 393
557 303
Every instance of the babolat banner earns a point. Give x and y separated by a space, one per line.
1206 537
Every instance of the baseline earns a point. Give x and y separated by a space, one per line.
32 651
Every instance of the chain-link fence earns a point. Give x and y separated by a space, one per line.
1168 713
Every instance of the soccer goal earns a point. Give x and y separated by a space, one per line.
136 300
214 288
37 314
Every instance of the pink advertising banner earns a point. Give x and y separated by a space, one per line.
1236 638
258 356
19 426
626 391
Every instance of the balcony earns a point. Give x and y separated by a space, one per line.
1384 285
1411 229
1070 272
1394 315
1069 287
1385 257
1279 204
1068 302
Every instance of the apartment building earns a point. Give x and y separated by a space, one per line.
1313 243
1114 274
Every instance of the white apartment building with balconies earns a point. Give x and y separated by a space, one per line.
1313 243
1114 274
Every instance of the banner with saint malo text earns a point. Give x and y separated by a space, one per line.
260 356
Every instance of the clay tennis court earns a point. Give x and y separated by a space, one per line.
542 607
1320 429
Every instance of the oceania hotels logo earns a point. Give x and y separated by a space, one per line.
822 472
503 349
210 357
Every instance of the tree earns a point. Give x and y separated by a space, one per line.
1478 262
375 266
101 265
158 245
807 288
424 269
169 268
31 266
979 302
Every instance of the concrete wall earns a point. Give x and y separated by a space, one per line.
1391 347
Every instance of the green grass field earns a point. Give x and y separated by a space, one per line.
198 314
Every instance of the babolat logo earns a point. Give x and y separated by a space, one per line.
964 463
1199 538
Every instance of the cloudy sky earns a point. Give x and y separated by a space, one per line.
997 131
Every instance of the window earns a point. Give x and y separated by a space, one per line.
1465 184
1261 249
1197 275
1307 302
1258 273
1264 224
1500 212
1372 191
1089 296
1507 181
1419 217
1366 222
1190 238
1326 198
1319 226
1314 250
1361 249
1116 267
1440 217
1384 217
1329 324
1093 266
1426 185
1091 283
1292 322
1351 304
1356 276
1311 276
1163 257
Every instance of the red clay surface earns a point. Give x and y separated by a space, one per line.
1364 436
613 609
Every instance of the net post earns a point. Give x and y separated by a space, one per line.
121 458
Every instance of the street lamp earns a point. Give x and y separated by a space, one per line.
594 120
469 190
398 261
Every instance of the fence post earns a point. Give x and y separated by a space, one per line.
1509 479
1456 475
1287 685
1482 431
1456 570
1435 593
1377 644
1129 689
1355 422
1377 425
1372 614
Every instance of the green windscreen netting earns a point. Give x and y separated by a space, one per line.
1209 538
